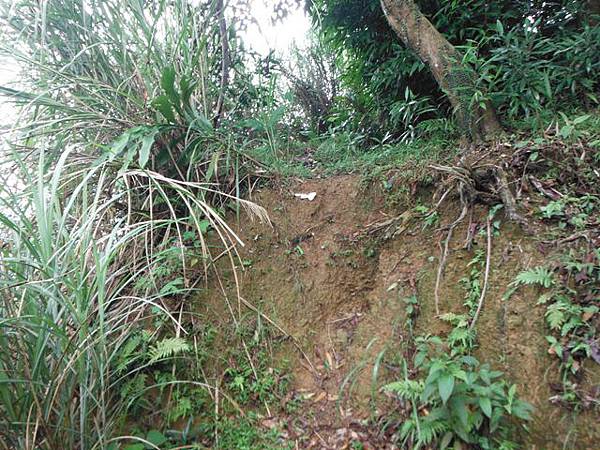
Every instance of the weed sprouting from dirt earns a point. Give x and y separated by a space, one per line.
571 288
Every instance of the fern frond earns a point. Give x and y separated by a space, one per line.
432 430
458 320
406 389
541 276
168 347
134 387
126 354
555 315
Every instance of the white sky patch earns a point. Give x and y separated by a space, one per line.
265 36
8 75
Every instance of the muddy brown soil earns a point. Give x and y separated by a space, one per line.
338 292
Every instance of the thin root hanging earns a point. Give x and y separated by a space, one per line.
485 183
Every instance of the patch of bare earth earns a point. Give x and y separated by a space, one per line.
338 290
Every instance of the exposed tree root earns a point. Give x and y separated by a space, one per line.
388 228
443 257
470 232
486 275
483 183
510 205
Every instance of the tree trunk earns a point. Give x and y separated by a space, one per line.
456 80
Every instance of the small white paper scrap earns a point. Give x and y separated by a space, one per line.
310 196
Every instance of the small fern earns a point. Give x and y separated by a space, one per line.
134 388
406 389
432 428
457 320
425 432
128 353
555 315
541 276
168 347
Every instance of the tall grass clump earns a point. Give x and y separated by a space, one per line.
114 164
67 304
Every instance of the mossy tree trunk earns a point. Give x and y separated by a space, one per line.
444 61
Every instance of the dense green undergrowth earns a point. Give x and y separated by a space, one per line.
131 149
452 398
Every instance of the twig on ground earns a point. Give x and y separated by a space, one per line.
571 238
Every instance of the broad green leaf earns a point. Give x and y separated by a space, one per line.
156 437
186 87
499 27
144 154
459 374
118 145
581 119
495 420
445 386
134 447
427 392
203 124
566 131
167 82
486 406
163 106
469 360
459 408
204 225
445 442
420 358
522 410
212 167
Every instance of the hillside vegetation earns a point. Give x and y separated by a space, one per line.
387 236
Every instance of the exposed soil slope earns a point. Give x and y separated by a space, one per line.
335 282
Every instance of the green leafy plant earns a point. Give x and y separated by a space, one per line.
572 211
116 107
472 283
569 129
60 263
166 348
537 275
459 400
568 298
252 376
430 218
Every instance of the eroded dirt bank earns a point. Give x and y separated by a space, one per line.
335 280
